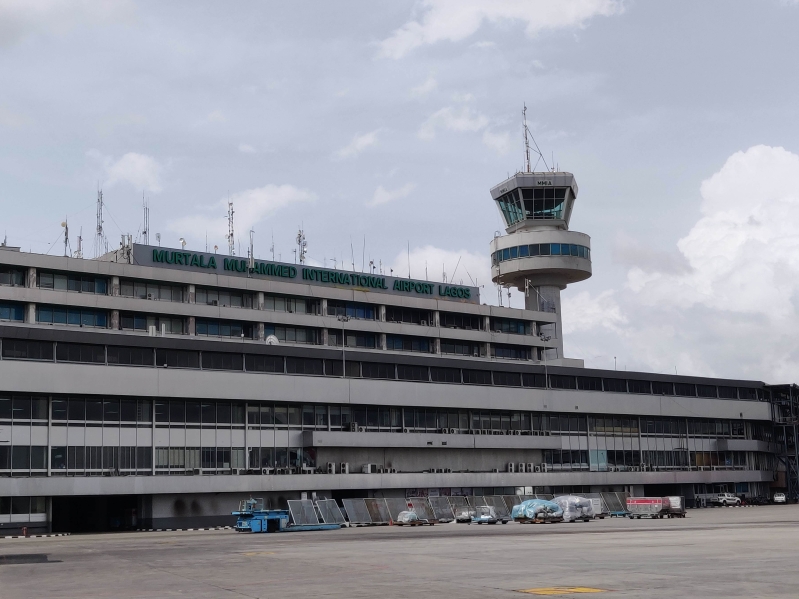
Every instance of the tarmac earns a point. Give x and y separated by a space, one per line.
723 552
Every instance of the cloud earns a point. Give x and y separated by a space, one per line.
358 144
729 303
141 171
463 119
456 20
246 149
250 207
216 116
461 266
423 89
13 120
20 19
384 196
499 142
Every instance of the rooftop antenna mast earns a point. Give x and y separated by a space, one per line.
231 242
100 242
251 251
527 133
302 246
66 237
79 251
146 230
272 248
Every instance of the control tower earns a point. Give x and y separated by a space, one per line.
538 255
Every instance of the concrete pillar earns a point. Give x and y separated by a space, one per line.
261 331
259 300
436 319
486 323
31 313
437 346
325 336
323 308
381 311
192 328
115 320
382 341
191 294
31 278
486 350
114 286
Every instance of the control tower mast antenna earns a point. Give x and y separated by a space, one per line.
231 242
526 141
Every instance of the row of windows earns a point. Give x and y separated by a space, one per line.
14 277
223 328
72 282
152 291
143 322
625 460
9 311
99 354
544 203
540 249
351 310
83 317
22 505
78 458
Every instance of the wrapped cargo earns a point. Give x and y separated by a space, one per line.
575 507
407 517
537 510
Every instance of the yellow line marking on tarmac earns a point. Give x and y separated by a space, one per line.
561 590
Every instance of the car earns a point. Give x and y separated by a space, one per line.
726 499
779 497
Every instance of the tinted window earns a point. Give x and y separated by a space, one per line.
78 352
304 366
131 356
557 381
706 391
412 373
371 370
685 389
176 358
445 375
254 363
222 361
589 383
659 388
615 385
27 350
534 380
477 377
508 379
639 386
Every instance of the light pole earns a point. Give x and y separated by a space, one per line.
343 319
545 338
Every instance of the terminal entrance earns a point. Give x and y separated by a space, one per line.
95 513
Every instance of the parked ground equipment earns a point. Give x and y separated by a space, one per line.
575 508
674 506
537 511
646 507
252 517
725 499
486 514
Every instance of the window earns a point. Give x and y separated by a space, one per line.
508 379
255 363
410 344
685 389
615 385
406 372
728 392
279 303
660 388
534 380
222 361
639 386
350 309
589 383
558 381
409 315
224 328
131 356
511 326
371 370
72 282
177 358
334 368
9 311
13 277
445 375
510 352
71 316
305 366
293 334
150 290
132 321
224 297
469 322
80 352
22 349
461 348
706 391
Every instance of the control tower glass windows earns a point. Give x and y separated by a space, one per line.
544 203
511 208
534 250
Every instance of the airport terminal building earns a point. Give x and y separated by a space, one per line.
157 387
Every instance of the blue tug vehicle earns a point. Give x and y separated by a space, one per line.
252 517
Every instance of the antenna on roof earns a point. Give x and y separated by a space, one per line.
272 247
146 230
79 251
231 242
302 246
251 251
527 144
66 236
100 242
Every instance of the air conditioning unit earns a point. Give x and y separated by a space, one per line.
380 470
150 296
443 431
448 470
517 432
331 467
486 431
475 431
511 467
520 467
538 468
424 323
344 468
353 427
369 468
238 471
495 470
361 429
214 302
406 430
163 329
452 431
544 467
196 471
265 470
529 468
498 331
392 470
636 468
151 330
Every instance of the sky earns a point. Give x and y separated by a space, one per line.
379 128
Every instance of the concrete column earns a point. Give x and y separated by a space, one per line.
114 286
261 331
115 320
436 319
31 313
192 329
259 301
437 346
487 350
381 311
323 306
49 435
31 277
325 337
382 341
486 323
191 293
